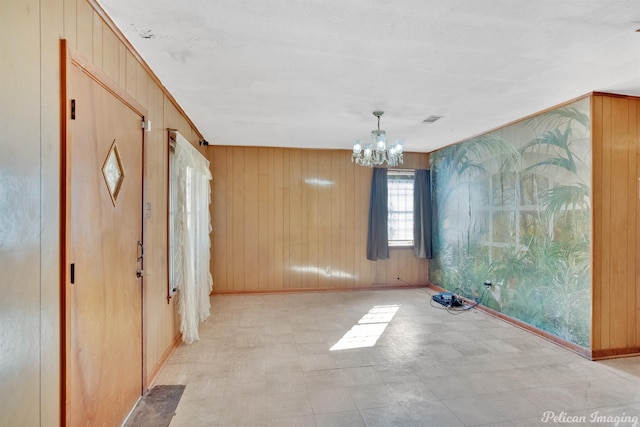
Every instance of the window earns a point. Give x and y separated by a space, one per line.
173 208
189 240
400 207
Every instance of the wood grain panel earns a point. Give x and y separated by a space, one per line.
278 214
238 207
219 222
296 216
335 265
84 28
304 215
364 269
349 234
270 179
160 324
49 227
325 201
633 140
286 218
21 216
230 217
606 224
110 54
142 87
299 221
131 75
122 67
250 223
596 220
262 238
635 134
96 47
70 18
313 221
618 248
615 138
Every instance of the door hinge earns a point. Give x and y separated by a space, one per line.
73 273
73 109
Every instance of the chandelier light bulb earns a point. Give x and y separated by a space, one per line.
398 147
357 147
381 140
368 151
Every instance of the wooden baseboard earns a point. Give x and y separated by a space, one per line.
150 379
613 353
298 290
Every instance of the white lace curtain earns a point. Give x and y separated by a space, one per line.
191 274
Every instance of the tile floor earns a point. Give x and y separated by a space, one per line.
386 358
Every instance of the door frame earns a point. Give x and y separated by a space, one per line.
72 57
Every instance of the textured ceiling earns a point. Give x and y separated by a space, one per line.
309 73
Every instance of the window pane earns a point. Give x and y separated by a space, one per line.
400 207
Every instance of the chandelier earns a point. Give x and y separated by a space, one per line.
376 152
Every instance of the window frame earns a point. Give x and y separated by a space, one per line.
400 243
172 206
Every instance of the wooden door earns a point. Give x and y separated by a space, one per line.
103 359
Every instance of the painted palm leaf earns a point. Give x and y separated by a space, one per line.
564 197
561 117
559 140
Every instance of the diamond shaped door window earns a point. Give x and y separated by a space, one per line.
113 172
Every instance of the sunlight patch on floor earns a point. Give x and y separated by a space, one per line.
369 328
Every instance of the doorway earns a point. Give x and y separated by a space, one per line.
103 238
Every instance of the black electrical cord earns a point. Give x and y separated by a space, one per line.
457 310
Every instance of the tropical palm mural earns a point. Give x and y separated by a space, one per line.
513 207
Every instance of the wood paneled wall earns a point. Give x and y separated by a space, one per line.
616 227
29 216
295 219
30 193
